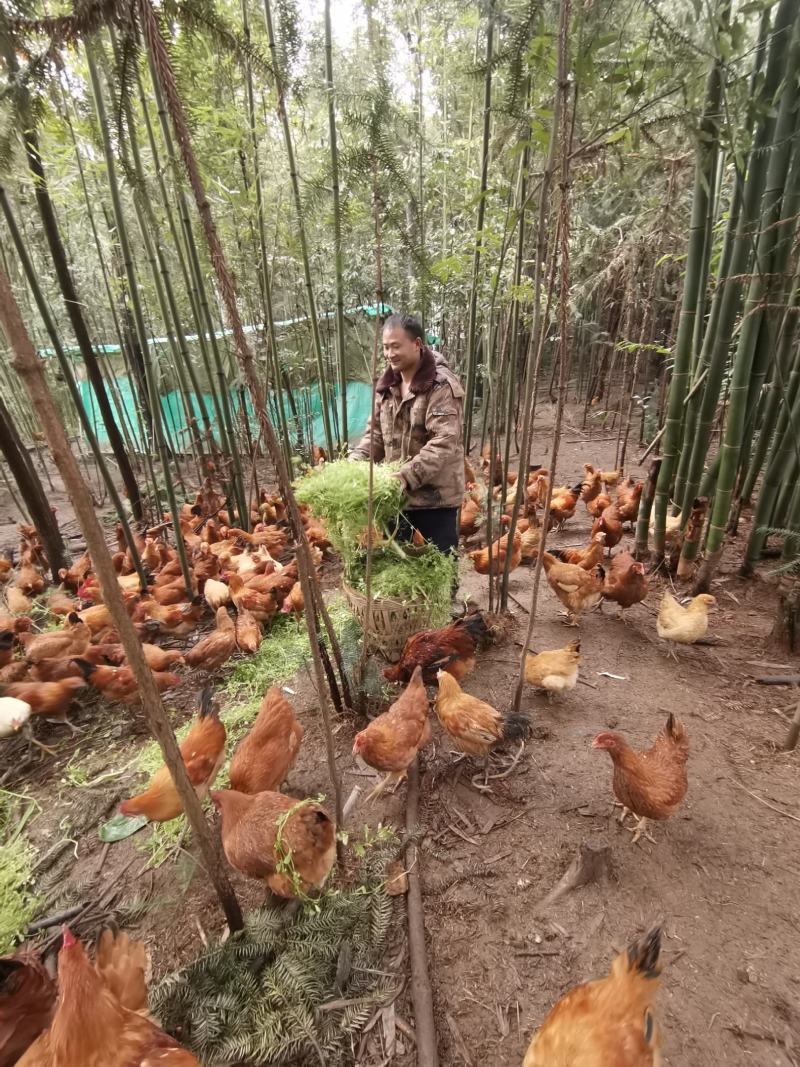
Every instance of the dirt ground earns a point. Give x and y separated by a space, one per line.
719 879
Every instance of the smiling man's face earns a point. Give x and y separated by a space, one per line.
400 351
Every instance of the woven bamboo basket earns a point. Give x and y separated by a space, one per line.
393 622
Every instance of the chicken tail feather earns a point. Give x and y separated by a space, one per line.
475 624
516 726
208 705
643 955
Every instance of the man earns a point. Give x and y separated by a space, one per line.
418 420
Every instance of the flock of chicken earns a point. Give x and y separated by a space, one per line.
290 844
233 572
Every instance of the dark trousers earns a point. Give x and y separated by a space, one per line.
437 525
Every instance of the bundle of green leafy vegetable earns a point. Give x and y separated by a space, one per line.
410 575
338 493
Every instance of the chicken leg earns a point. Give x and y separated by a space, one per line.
394 776
639 830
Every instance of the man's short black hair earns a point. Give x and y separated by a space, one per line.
411 325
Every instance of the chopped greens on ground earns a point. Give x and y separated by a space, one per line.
18 903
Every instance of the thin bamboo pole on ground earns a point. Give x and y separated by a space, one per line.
165 75
29 368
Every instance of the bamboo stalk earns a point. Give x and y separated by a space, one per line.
694 283
138 318
30 370
469 398
66 370
562 95
773 197
338 258
66 282
316 340
166 77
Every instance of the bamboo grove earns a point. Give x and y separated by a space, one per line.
175 275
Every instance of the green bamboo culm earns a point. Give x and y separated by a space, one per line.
66 370
316 340
694 284
209 348
136 306
779 393
727 297
692 456
264 281
337 231
787 55
472 322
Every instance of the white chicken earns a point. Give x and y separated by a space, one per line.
14 716
216 593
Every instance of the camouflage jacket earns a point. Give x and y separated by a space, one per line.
424 430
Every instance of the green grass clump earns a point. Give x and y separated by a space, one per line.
419 574
18 902
338 493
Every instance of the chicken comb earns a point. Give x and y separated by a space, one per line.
68 938
643 955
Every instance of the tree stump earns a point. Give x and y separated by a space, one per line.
786 631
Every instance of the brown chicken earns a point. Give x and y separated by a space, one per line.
474 726
529 542
610 478
268 751
161 659
250 840
563 503
609 1022
294 601
248 631
18 603
29 580
625 582
60 603
261 605
392 740
119 683
485 561
179 619
50 699
592 483
629 494
73 640
588 557
577 589
450 649
650 784
554 671
469 520
598 504
98 617
27 1003
215 648
609 523
273 538
92 1028
203 752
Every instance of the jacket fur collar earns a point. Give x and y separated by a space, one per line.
422 382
